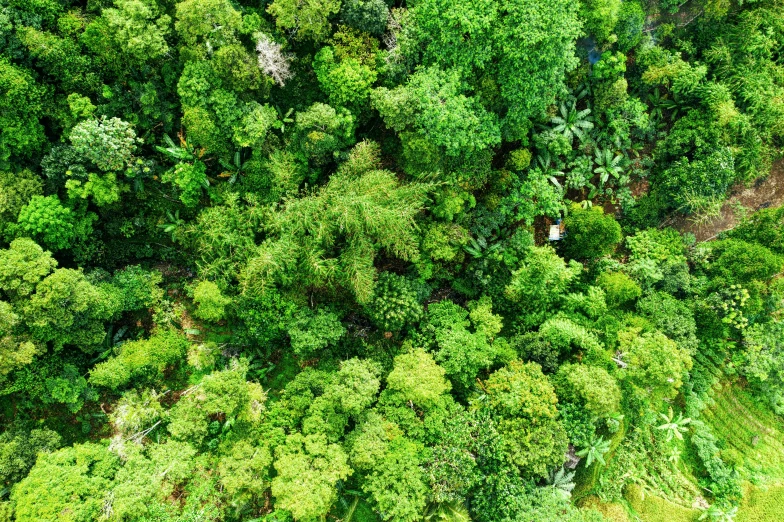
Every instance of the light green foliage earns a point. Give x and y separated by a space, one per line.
15 350
207 21
16 190
656 364
524 47
67 309
657 257
135 412
19 448
323 130
103 189
417 378
20 108
256 125
244 470
451 469
763 351
140 358
80 106
591 233
307 19
610 67
672 317
619 288
108 143
346 81
224 234
238 70
225 394
190 179
308 469
70 388
337 231
139 28
523 403
631 21
395 303
66 486
765 227
138 287
46 219
311 332
740 262
533 195
461 352
368 442
589 386
22 266
600 17
397 484
565 335
434 105
540 282
688 184
211 302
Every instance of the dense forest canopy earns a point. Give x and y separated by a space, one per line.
376 260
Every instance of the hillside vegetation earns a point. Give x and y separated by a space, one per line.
391 261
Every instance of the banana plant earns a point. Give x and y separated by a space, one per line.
595 451
182 152
674 427
572 123
173 224
479 247
609 165
283 119
233 170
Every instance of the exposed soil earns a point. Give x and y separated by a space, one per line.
768 192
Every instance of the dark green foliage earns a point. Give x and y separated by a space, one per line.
19 448
631 20
396 302
365 15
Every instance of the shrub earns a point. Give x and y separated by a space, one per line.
619 288
137 358
590 233
395 303
211 302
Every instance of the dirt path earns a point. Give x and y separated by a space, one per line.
764 193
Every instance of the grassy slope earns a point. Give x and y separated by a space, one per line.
754 439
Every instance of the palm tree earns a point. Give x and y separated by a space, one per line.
608 165
595 451
674 427
572 122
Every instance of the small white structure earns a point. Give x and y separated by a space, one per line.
555 233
